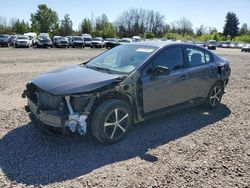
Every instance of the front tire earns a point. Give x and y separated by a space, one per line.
214 96
111 121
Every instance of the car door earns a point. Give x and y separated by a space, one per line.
201 71
165 90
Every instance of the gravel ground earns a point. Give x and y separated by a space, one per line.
190 148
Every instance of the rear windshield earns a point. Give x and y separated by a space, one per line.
87 39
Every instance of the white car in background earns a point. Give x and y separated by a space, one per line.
23 41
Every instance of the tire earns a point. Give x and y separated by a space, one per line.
214 96
111 121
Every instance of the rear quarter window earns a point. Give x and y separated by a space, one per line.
197 56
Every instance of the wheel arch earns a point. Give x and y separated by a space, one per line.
115 95
220 82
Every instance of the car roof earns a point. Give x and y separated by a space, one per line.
158 44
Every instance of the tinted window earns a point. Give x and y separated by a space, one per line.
196 57
171 58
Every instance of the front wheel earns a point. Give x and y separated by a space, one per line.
111 121
214 97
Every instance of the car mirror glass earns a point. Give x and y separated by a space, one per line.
161 70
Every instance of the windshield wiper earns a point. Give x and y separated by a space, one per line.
99 68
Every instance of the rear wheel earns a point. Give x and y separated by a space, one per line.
111 121
214 97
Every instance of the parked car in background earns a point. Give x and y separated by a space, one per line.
23 41
98 42
4 40
233 45
87 39
225 45
241 44
219 43
44 42
136 39
111 42
13 39
212 44
77 41
125 85
32 36
60 42
245 48
69 39
125 40
201 44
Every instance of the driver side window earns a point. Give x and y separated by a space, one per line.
171 58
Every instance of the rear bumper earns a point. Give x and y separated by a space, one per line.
44 45
51 118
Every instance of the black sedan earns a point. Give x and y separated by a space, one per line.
4 40
111 42
43 42
245 48
125 85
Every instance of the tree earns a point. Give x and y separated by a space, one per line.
212 30
66 26
86 26
200 31
138 21
184 26
231 26
45 20
19 27
103 27
3 25
243 29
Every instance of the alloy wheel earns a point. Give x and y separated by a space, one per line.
215 96
116 123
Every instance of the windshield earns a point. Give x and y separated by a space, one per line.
62 38
87 39
78 38
122 59
212 42
97 39
3 36
43 38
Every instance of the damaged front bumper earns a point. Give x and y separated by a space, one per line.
67 115
50 117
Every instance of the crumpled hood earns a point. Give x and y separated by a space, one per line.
74 79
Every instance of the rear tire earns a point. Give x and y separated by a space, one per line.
111 121
214 96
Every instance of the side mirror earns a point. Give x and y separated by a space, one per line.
161 70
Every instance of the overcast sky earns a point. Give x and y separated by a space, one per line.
207 12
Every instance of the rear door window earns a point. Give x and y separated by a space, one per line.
197 57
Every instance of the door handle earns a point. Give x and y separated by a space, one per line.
184 77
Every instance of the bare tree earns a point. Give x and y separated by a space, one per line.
138 21
184 26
